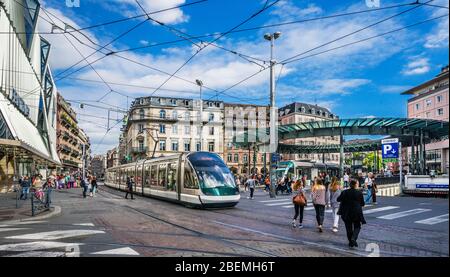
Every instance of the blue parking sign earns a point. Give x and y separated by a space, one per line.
389 149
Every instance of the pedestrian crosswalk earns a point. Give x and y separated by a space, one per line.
379 212
22 241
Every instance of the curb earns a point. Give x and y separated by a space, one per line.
56 211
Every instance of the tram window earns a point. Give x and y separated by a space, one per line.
190 182
172 176
162 175
147 179
153 176
138 178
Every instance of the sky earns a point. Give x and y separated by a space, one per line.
363 79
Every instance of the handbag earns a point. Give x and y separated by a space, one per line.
300 200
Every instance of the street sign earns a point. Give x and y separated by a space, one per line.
276 157
389 148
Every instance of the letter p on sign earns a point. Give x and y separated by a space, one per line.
387 148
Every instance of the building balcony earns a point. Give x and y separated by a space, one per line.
75 153
66 149
65 135
139 150
70 163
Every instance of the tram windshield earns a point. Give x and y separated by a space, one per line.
214 176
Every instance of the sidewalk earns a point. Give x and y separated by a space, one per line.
20 210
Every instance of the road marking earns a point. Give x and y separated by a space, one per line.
387 208
119 251
40 254
11 229
309 208
320 245
281 203
275 200
288 206
55 235
21 223
36 245
84 224
433 220
403 214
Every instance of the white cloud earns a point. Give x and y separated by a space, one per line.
394 88
417 67
439 36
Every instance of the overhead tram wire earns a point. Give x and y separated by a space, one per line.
108 22
81 54
188 37
216 39
369 38
268 26
258 72
359 30
152 68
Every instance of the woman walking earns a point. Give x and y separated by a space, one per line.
352 201
334 192
299 207
318 198
93 186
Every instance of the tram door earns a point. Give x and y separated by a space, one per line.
139 178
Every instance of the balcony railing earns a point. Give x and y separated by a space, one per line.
139 149
69 162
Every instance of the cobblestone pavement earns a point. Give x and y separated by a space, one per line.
109 225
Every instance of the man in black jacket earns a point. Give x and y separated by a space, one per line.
350 210
129 188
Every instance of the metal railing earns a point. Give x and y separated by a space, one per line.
40 200
387 180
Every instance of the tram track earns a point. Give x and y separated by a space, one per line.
289 241
198 234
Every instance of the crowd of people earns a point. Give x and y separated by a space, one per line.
345 199
35 184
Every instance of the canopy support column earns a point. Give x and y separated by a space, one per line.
422 158
413 159
341 154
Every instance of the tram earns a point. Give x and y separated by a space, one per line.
198 179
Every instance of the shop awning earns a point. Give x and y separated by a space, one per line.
24 131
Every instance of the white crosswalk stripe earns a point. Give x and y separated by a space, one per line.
55 235
280 203
275 200
37 246
11 229
403 214
433 220
381 209
125 251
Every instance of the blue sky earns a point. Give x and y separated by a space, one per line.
364 79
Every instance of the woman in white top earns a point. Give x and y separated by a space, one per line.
334 192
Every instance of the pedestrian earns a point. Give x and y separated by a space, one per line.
352 201
267 184
368 184
238 182
25 184
346 179
93 186
129 188
251 183
84 186
300 204
333 193
318 198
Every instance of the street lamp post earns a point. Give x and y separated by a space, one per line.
273 112
200 84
